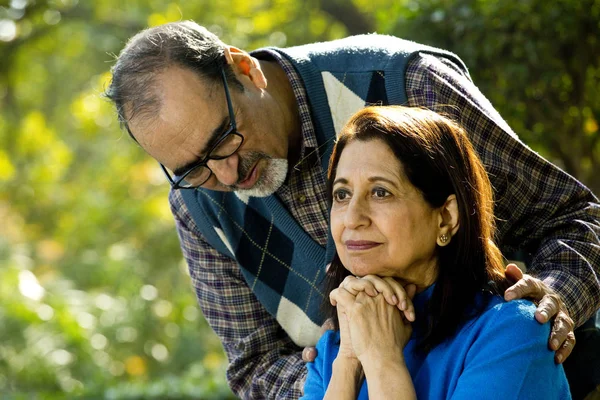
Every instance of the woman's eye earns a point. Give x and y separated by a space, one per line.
340 195
380 192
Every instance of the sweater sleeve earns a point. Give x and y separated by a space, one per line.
510 359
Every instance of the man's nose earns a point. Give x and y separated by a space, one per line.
226 170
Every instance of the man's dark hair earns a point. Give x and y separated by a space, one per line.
151 51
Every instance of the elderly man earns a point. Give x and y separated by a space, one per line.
251 135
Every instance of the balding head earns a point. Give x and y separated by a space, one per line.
134 89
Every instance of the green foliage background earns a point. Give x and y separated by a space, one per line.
95 300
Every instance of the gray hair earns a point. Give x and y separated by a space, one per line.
151 51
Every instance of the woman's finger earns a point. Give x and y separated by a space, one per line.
346 281
403 300
405 303
340 297
393 296
409 313
356 285
333 297
393 292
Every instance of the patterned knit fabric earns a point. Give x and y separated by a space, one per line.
264 362
538 207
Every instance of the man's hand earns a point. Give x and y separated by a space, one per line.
549 305
310 353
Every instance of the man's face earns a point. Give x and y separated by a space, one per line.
194 112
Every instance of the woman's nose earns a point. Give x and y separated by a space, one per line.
225 170
357 214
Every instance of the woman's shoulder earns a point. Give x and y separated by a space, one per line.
517 309
516 316
504 353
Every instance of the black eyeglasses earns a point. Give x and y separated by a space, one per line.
225 146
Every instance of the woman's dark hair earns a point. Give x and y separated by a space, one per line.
439 160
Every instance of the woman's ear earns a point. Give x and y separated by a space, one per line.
245 66
449 221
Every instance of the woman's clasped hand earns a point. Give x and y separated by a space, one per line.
375 316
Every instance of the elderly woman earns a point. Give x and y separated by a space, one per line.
412 213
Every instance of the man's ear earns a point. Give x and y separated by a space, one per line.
245 66
449 221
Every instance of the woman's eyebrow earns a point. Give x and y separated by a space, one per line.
381 178
370 179
340 180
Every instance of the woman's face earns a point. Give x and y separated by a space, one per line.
380 222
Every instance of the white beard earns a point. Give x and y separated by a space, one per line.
271 179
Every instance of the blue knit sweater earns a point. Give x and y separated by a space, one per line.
502 354
282 264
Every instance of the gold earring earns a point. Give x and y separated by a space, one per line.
444 238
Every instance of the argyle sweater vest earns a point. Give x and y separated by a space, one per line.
281 263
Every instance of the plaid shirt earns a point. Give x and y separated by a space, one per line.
538 207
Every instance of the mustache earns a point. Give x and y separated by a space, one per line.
245 165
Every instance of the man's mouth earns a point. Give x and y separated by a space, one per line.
250 180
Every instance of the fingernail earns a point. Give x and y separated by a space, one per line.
306 354
404 304
559 358
544 314
412 315
394 299
509 296
555 345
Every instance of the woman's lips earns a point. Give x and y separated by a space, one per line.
358 245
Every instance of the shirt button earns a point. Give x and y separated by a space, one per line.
302 198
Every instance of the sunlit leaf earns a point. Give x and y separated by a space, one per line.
7 170
590 127
135 366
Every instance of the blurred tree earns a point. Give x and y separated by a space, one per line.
537 61
94 298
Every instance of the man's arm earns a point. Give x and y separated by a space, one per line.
264 363
539 208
